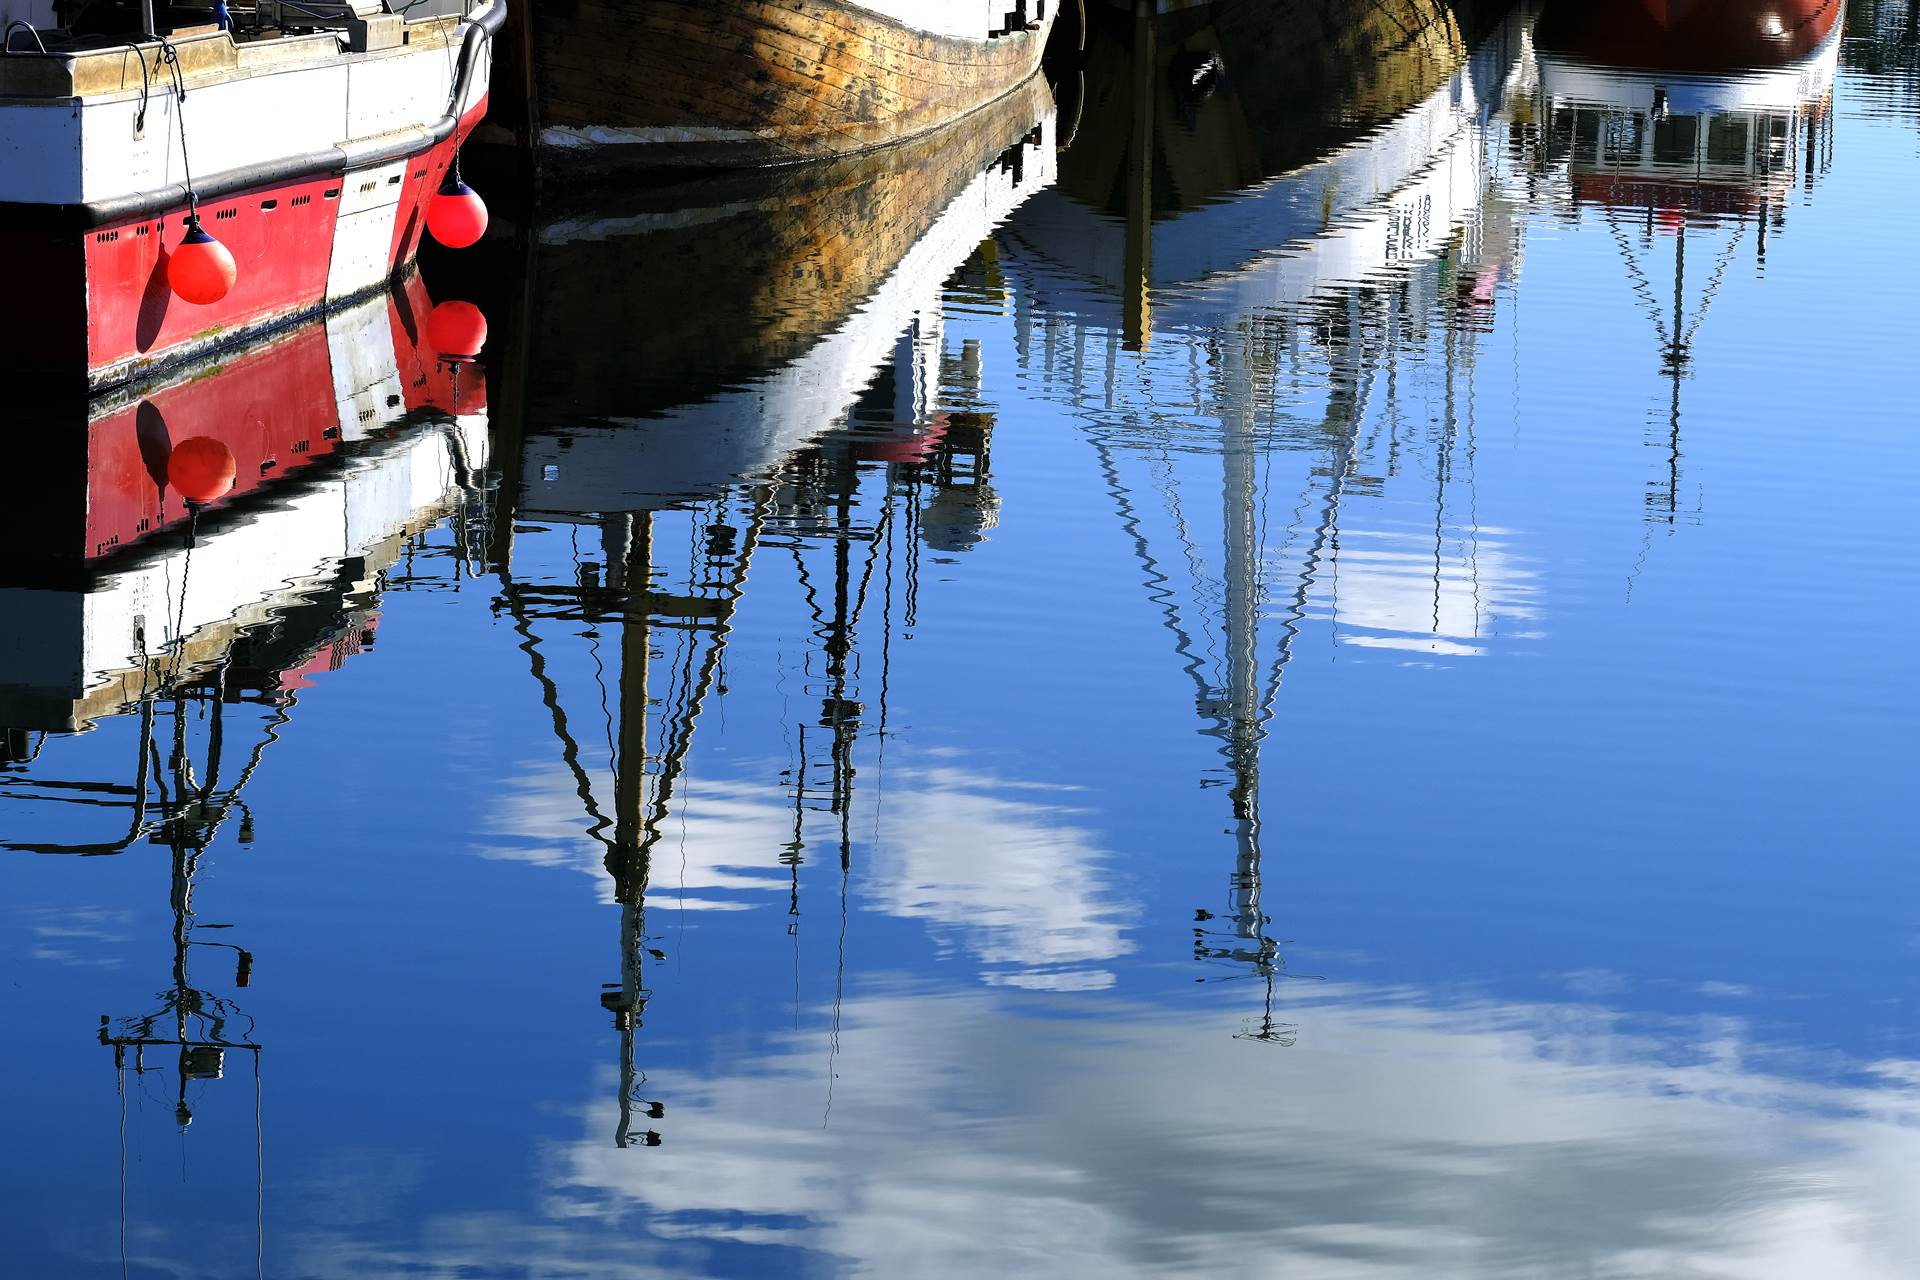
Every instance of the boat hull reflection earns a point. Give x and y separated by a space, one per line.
348 435
816 284
1275 227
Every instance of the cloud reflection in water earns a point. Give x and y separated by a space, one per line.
1489 1140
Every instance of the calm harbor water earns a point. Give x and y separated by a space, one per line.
1292 656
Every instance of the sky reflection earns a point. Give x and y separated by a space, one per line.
969 1134
1320 686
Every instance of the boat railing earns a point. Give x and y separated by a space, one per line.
54 63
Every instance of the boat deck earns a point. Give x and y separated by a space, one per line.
60 64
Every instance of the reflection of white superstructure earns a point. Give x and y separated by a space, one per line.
85 647
1392 197
1568 80
693 450
1370 249
1714 143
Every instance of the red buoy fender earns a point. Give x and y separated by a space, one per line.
199 269
201 469
457 216
456 330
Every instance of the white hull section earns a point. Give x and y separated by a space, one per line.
363 235
302 97
1567 82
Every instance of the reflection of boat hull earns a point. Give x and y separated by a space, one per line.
814 278
279 408
751 83
1350 213
1688 139
83 625
1234 91
1699 36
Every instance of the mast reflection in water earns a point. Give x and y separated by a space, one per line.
1183 675
183 629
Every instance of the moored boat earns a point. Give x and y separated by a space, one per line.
308 144
600 85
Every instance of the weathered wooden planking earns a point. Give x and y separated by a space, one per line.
692 83
782 258
1299 79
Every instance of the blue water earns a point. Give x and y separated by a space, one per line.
1379 761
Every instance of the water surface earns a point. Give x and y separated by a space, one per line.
1296 659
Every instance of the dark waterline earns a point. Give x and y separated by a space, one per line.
1289 656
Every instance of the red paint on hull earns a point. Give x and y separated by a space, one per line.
281 239
1700 36
424 173
1671 201
905 443
332 655
273 407
107 305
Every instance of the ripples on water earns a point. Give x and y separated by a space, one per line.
1299 663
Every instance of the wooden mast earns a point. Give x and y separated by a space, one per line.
1239 499
1137 324
630 568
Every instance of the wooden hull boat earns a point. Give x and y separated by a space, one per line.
310 160
605 85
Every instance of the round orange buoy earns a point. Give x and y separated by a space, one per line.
200 270
202 469
456 330
457 217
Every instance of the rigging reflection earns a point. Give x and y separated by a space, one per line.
155 644
1302 241
812 411
1334 224
1698 127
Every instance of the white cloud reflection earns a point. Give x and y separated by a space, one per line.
972 1134
1003 872
1444 597
997 870
967 1137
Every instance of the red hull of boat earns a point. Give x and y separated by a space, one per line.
276 407
1688 35
105 305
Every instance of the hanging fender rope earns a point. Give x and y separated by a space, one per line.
146 87
170 60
